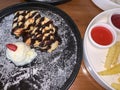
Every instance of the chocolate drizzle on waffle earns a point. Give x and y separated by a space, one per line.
37 32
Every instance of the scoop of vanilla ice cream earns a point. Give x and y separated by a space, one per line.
23 54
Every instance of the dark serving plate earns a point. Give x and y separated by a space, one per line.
49 71
53 2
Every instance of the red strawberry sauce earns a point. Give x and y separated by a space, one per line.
116 20
101 35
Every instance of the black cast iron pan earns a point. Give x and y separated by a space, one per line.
53 2
49 71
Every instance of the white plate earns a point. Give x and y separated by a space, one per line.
106 4
94 58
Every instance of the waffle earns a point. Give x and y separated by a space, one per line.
37 32
24 20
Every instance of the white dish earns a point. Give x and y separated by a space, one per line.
94 58
106 4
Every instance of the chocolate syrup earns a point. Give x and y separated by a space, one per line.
38 31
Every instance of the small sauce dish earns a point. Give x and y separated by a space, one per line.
114 21
102 35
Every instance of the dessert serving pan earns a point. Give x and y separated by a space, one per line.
48 71
53 2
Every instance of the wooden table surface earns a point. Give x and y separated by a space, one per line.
82 12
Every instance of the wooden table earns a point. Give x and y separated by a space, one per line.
82 12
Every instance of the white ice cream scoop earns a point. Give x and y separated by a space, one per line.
19 53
